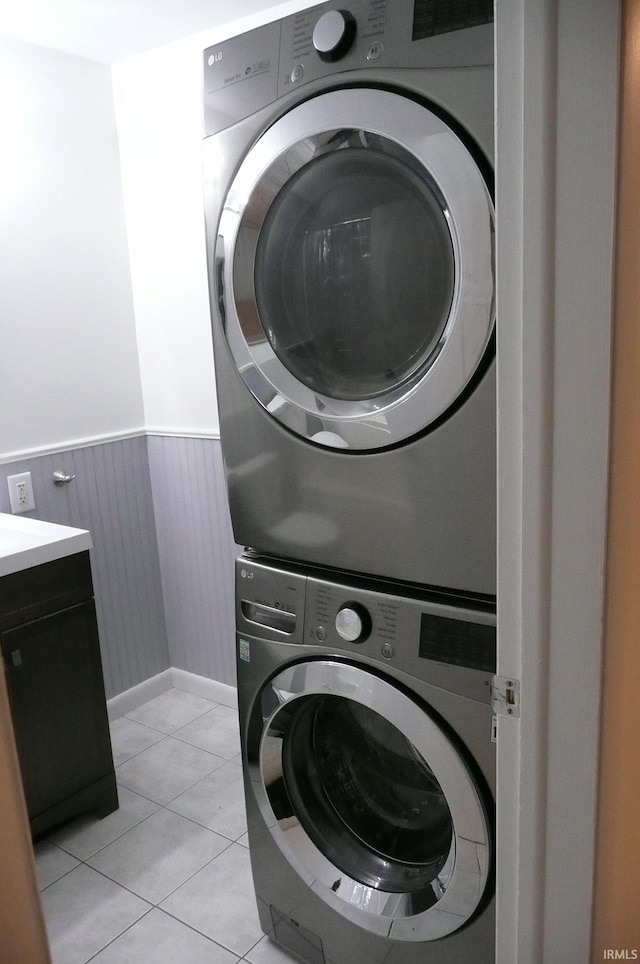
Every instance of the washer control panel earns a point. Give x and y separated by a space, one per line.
404 630
332 616
418 633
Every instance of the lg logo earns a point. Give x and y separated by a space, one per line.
214 58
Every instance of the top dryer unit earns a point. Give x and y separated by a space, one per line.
350 231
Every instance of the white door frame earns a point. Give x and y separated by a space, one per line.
557 93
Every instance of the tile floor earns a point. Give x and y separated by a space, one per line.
166 878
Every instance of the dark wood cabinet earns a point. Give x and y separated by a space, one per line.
51 653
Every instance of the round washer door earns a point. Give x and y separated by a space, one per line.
369 801
355 263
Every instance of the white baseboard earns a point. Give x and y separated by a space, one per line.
209 689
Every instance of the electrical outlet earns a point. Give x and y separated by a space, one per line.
21 493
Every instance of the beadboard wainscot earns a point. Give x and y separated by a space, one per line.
162 552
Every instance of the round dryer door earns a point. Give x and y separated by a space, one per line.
355 251
370 802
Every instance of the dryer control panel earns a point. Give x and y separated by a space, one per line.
246 73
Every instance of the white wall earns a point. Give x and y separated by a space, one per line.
68 354
158 98
158 111
71 365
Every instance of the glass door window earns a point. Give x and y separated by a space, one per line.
347 306
366 796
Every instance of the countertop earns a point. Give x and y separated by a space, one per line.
26 542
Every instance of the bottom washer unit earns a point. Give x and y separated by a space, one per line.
369 766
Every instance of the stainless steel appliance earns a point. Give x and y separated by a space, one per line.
350 243
369 765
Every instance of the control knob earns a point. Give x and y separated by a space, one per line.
333 34
353 623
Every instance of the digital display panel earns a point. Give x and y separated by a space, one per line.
433 17
457 642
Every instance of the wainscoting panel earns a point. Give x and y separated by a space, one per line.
110 496
197 552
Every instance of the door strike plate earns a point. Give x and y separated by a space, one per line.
505 696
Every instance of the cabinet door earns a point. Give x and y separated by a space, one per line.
56 689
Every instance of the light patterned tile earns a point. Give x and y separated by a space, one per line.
86 835
84 912
170 710
129 738
217 731
268 952
158 855
160 939
51 862
217 802
219 901
166 769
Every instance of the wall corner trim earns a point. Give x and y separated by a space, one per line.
209 689
134 697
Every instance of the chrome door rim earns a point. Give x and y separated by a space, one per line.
291 142
460 885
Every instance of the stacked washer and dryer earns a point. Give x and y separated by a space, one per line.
350 228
